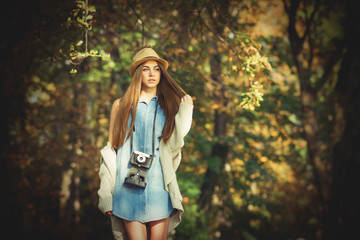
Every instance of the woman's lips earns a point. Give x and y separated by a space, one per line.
151 80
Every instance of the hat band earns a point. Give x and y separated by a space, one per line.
150 57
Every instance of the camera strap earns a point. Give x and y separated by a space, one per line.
153 132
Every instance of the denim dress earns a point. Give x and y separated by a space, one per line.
152 203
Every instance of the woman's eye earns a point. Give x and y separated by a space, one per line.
157 69
145 69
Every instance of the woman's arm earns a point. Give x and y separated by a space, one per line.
183 121
105 190
107 175
114 110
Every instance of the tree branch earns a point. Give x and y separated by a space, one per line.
330 64
142 22
310 21
286 7
86 27
217 35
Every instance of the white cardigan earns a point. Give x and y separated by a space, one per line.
170 157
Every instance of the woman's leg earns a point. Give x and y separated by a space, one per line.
159 229
135 230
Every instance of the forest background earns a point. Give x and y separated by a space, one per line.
272 153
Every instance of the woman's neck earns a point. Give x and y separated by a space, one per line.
147 94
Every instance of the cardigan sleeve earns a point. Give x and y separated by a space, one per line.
105 190
107 173
183 120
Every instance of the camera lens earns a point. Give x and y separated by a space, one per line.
141 159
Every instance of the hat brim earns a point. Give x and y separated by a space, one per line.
135 64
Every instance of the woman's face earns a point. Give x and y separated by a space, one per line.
151 74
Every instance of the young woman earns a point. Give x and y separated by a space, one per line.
148 126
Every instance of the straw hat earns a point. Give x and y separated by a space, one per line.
144 55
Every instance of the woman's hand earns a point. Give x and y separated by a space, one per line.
109 213
187 99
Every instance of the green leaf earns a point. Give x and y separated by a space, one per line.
91 9
73 71
80 4
79 43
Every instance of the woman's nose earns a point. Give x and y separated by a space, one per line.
151 72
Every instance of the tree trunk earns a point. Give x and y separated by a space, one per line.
321 165
343 215
220 149
68 185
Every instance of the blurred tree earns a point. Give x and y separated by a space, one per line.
323 50
29 30
343 214
217 11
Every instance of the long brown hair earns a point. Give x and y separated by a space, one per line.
169 94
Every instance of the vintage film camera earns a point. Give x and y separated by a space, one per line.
137 174
141 159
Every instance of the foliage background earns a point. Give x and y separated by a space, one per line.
281 168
